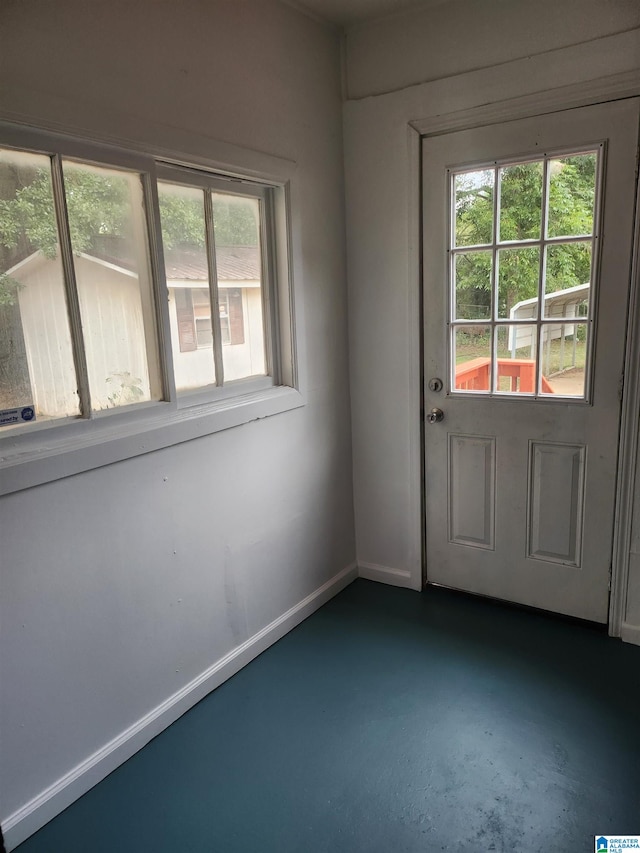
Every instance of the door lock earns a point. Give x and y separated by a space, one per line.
435 416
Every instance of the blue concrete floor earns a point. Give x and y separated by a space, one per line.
389 721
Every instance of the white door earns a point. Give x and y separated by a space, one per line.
527 245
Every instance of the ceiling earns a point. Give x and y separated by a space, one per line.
349 12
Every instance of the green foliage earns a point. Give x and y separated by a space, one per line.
571 204
572 195
29 213
521 202
474 208
235 223
99 205
9 288
183 221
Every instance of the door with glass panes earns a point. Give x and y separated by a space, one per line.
527 246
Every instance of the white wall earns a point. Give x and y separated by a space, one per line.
466 35
122 584
455 46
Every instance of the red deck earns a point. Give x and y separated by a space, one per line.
475 375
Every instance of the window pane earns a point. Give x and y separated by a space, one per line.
239 267
185 259
521 201
516 369
202 313
36 357
472 358
567 280
109 239
473 285
473 192
572 193
518 278
564 357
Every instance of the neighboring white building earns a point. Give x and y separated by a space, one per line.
240 299
109 295
568 304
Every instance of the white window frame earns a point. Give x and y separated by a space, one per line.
46 451
190 177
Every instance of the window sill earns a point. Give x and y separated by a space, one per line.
31 460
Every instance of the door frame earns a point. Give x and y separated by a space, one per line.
588 93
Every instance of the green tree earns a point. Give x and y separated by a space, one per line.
571 205
98 208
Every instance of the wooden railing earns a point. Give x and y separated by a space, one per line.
475 375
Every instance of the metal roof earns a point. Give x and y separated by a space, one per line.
234 263
561 303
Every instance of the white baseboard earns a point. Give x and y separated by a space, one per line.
630 633
40 810
386 574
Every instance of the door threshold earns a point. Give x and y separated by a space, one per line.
515 605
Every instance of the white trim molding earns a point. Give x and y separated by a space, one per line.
42 459
57 797
414 336
584 94
386 574
630 633
627 452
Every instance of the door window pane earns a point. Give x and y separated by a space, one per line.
516 362
518 279
472 358
237 229
187 269
473 285
563 351
555 262
568 279
572 194
521 201
108 234
473 220
37 372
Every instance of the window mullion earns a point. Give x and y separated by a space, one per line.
213 288
71 287
161 290
495 283
268 316
542 273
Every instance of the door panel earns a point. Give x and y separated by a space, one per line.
472 490
556 502
520 473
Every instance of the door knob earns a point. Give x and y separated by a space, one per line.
435 416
